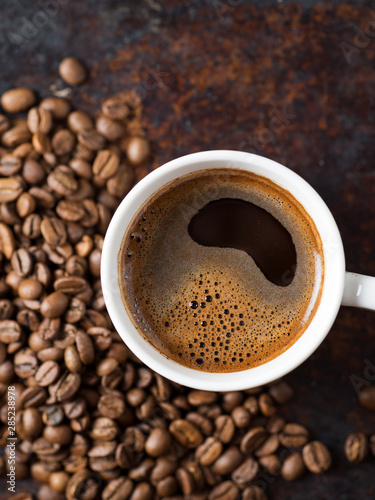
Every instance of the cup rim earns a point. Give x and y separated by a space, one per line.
333 283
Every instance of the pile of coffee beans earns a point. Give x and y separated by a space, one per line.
91 420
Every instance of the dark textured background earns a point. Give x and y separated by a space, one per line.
213 74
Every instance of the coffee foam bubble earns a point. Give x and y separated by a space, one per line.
211 308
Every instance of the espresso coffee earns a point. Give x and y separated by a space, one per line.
221 270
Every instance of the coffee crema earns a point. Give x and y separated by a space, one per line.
221 270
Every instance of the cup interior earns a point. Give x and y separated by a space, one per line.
333 284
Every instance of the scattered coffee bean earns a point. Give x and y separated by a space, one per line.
137 150
224 491
254 493
186 433
17 100
356 447
72 71
316 457
293 467
252 440
294 436
367 397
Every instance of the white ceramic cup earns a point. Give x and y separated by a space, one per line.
339 287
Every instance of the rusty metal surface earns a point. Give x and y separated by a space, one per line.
291 81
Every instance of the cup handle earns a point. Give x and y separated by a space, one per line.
359 291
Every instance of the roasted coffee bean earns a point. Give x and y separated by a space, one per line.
53 231
16 135
167 487
316 457
163 388
43 447
266 405
31 226
137 150
54 305
141 471
30 289
10 331
225 428
70 210
208 451
84 484
203 423
33 397
228 461
254 493
63 142
7 311
106 164
62 180
10 165
58 481
110 129
60 434
186 433
72 71
39 120
294 436
241 417
366 397
226 490
269 446
41 143
72 360
53 415
91 139
7 241
22 262
43 197
142 491
252 440
67 386
85 348
103 429
198 398
47 373
78 121
120 183
158 442
25 205
116 108
10 189
245 472
45 492
4 124
185 481
293 467
111 406
58 107
118 489
164 467
25 363
281 392
252 405
356 447
106 366
271 464
17 100
31 422
32 172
